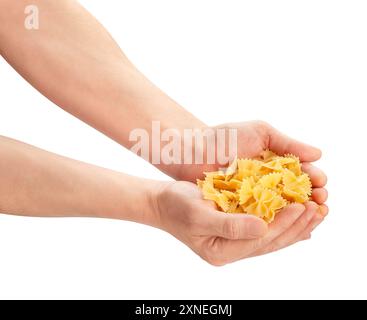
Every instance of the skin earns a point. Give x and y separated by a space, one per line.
48 185
104 89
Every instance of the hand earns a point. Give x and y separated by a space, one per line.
221 238
253 138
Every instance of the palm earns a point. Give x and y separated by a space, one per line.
220 238
186 215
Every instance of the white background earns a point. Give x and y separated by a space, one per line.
300 65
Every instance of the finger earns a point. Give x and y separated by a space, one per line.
306 234
324 210
282 144
234 226
232 250
314 223
299 227
319 195
318 178
283 221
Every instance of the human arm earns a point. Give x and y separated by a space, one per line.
74 61
35 182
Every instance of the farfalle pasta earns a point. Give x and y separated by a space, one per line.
260 187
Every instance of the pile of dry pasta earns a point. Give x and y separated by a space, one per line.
260 187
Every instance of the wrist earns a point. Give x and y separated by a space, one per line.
186 148
155 195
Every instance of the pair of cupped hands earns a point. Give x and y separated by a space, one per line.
224 238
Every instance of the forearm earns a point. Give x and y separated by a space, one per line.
34 182
73 61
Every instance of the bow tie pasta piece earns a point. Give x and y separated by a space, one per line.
268 155
261 187
230 185
266 203
246 190
278 164
274 206
210 193
248 168
296 188
262 197
295 166
271 180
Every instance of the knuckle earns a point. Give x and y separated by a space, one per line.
232 229
263 129
261 123
262 126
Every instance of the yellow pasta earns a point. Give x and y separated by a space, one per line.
261 187
271 180
296 188
246 191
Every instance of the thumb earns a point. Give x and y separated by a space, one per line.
282 144
235 226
